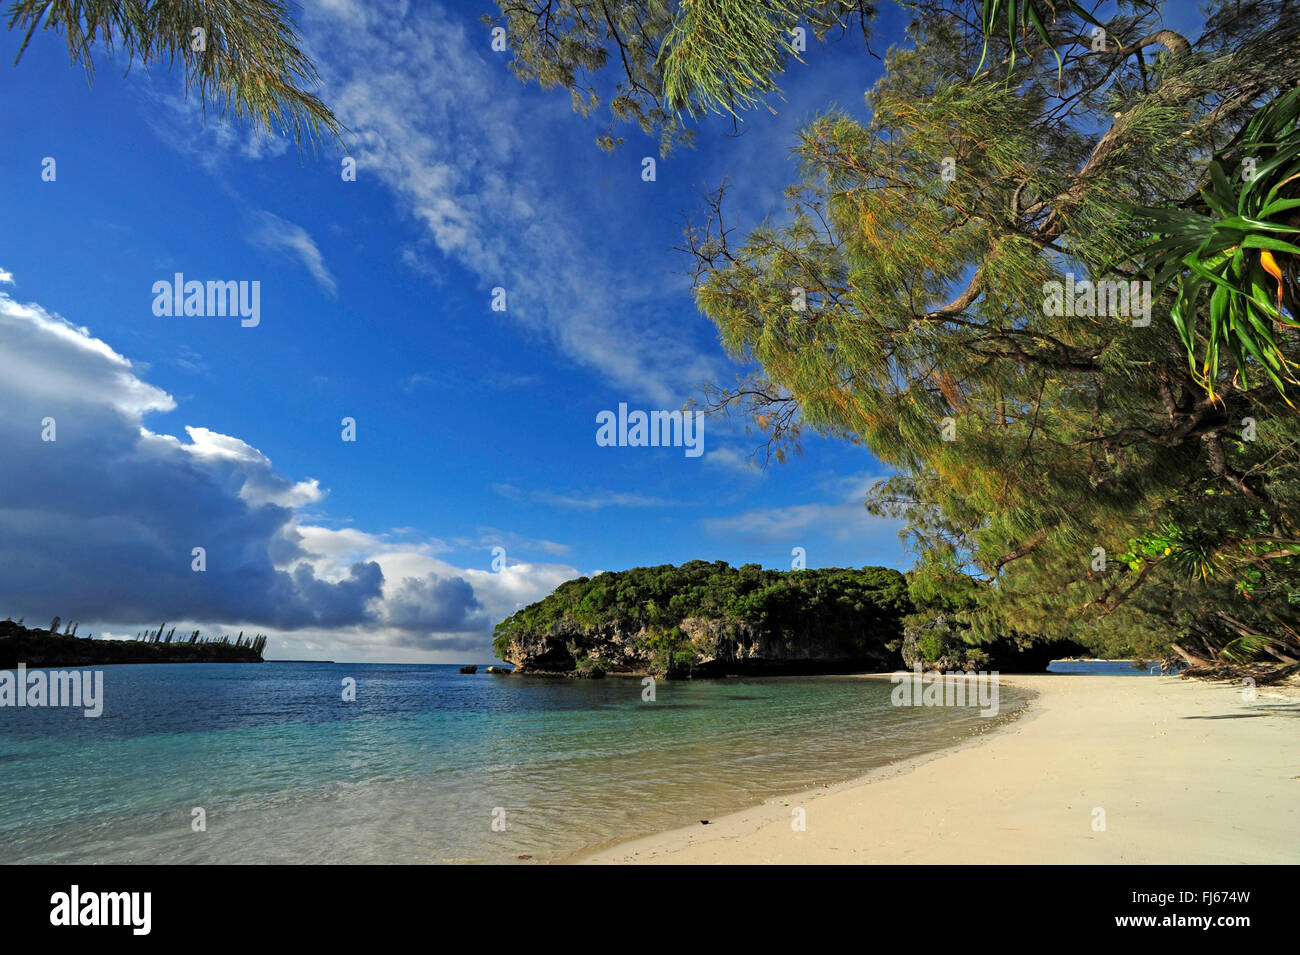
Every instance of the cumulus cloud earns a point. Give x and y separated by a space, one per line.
444 604
425 597
106 515
100 523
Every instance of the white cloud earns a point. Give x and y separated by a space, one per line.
87 373
423 593
440 121
730 459
583 500
6 278
437 118
491 537
276 234
180 121
99 525
843 517
262 485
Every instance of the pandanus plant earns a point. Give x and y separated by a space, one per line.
1235 247
1017 18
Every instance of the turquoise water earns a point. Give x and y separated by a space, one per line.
426 760
1098 667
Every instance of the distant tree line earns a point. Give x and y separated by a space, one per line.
255 643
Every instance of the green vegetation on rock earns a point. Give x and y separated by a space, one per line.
710 619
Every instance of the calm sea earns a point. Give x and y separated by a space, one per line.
1099 667
427 765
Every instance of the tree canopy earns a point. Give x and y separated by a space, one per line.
963 284
844 606
652 60
241 57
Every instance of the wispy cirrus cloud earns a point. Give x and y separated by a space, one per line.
840 516
180 120
451 137
593 500
442 132
731 459
274 234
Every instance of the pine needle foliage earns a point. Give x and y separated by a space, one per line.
724 55
246 64
1065 463
651 61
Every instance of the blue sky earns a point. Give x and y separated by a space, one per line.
475 429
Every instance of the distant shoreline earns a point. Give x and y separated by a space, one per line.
42 649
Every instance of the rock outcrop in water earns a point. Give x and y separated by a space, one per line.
46 648
706 647
709 619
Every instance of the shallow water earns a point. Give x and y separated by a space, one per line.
1099 668
426 761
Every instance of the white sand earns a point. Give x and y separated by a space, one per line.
1186 772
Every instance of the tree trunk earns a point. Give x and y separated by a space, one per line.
1193 658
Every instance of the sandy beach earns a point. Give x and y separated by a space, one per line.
1184 771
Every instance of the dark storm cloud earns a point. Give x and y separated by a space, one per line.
101 522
